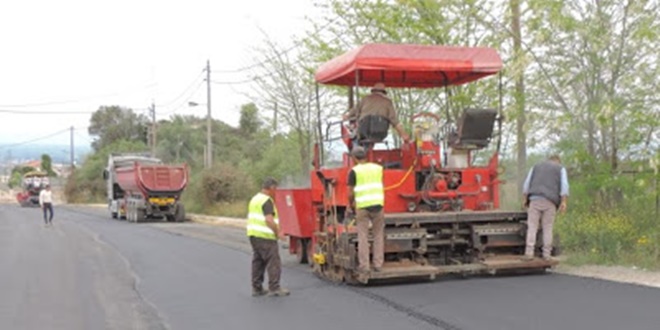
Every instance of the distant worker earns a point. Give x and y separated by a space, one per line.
263 230
46 203
544 192
367 197
377 103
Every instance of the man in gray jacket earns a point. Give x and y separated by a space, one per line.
544 192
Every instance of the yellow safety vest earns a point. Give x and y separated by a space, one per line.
256 224
368 185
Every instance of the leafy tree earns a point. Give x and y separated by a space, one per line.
16 176
112 123
181 139
86 184
47 165
249 122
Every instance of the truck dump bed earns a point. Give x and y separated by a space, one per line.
153 180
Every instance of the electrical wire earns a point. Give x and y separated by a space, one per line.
69 101
6 146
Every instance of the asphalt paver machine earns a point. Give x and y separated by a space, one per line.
442 212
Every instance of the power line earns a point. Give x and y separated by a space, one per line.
77 100
186 90
34 140
262 62
36 112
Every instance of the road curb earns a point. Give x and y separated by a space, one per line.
217 221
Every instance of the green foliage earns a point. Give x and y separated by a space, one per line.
113 123
249 123
47 165
613 218
219 190
16 176
86 184
181 140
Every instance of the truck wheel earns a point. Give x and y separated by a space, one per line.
301 250
180 214
140 215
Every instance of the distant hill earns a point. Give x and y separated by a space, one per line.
59 153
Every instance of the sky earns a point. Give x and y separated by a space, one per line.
76 55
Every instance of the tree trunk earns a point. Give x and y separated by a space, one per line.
521 138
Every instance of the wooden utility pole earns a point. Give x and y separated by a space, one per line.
152 111
209 143
72 152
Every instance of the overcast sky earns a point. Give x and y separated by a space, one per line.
75 55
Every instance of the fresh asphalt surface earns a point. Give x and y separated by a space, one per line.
90 272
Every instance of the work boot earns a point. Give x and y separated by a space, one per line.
259 292
378 269
281 292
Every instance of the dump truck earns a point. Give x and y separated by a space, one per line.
33 182
140 187
442 209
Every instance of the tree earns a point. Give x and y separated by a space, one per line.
182 139
16 176
286 87
47 165
249 121
113 123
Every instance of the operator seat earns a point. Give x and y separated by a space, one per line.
372 129
475 129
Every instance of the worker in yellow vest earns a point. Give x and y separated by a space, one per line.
367 197
263 231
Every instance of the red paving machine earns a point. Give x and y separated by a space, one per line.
441 211
33 183
141 187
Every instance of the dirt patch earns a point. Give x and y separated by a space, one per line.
7 196
632 275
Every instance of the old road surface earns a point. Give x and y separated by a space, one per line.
91 272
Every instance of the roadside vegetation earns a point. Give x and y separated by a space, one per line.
580 79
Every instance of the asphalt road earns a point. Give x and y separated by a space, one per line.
91 272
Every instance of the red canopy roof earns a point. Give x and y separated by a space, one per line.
406 65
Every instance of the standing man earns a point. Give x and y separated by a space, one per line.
377 103
263 230
367 197
544 192
46 203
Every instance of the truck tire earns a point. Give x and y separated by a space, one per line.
180 213
140 215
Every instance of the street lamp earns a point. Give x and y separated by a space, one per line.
208 157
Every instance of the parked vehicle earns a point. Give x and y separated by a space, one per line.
141 187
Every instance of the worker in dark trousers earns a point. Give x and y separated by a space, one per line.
544 192
46 203
263 231
367 198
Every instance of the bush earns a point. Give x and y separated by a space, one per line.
222 190
609 237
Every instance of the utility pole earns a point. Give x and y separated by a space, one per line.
152 111
72 154
209 145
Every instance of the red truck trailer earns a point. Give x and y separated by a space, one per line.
141 187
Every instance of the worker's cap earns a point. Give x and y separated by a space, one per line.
269 183
359 153
379 87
